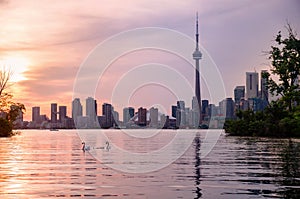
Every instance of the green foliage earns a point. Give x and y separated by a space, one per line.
285 58
9 110
272 122
282 117
5 128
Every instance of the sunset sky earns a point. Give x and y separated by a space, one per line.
45 42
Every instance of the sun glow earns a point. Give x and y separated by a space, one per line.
17 65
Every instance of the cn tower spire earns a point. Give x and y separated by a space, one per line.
197 55
197 32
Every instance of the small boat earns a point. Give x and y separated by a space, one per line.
53 129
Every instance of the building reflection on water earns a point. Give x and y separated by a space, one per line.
197 143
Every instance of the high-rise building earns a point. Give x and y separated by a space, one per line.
110 117
164 121
195 104
197 55
180 105
53 113
115 117
174 110
142 116
204 108
91 109
107 112
128 113
76 110
180 114
263 86
36 114
251 85
62 113
227 107
239 93
153 117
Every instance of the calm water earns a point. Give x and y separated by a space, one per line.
51 164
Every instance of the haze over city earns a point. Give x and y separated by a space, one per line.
45 43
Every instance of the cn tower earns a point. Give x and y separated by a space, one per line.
197 55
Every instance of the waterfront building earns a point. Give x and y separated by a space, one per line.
91 111
128 113
227 108
204 111
239 93
76 110
251 85
36 114
174 110
153 117
180 114
116 119
142 116
108 117
164 121
53 113
62 113
82 122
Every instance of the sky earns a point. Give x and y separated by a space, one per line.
46 44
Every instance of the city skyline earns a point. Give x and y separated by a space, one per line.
259 90
42 47
253 90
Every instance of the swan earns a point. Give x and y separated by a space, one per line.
107 147
85 148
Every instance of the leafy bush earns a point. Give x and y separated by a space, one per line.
5 128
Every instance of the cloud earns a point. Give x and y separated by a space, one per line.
57 37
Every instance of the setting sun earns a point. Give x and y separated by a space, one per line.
17 65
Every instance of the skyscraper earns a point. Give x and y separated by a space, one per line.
62 113
204 108
227 107
153 117
91 109
128 113
180 114
239 93
76 110
251 85
108 117
197 55
53 113
36 114
174 110
142 116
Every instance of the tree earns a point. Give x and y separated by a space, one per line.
281 118
5 76
9 110
285 58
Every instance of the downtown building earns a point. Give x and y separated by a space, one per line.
91 112
77 112
128 113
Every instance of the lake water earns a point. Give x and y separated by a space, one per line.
147 164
